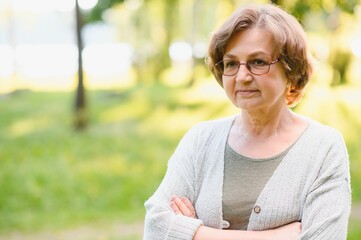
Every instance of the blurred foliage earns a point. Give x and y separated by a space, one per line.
151 26
97 11
300 8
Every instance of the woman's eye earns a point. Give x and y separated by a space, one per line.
258 62
231 64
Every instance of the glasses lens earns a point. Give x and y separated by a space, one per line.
258 66
259 70
229 68
230 71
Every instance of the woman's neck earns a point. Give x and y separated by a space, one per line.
266 123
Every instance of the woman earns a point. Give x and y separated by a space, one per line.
266 173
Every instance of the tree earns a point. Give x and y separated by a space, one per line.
80 120
97 11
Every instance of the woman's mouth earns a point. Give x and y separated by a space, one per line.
246 92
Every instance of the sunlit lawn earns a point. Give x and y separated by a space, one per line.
52 177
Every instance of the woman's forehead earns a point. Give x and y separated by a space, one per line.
254 41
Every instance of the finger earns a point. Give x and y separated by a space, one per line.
182 207
188 204
175 208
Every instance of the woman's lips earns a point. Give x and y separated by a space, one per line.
246 92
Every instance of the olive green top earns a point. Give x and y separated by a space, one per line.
244 178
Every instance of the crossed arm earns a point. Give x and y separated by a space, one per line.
184 207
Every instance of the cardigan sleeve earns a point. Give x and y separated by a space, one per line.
160 220
328 203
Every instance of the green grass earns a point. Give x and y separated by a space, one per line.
354 232
52 177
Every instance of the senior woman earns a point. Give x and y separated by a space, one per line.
266 173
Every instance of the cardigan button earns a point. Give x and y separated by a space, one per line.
257 209
225 224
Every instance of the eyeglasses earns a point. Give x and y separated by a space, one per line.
255 66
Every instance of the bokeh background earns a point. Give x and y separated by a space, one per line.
85 141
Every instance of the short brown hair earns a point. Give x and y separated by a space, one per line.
287 33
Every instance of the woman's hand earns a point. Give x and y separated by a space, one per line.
182 206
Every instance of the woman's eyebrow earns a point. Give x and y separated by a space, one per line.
253 54
228 55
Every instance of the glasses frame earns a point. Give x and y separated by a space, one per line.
248 67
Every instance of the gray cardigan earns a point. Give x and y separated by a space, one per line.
311 185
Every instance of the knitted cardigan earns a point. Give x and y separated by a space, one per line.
311 185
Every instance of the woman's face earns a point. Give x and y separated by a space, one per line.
249 91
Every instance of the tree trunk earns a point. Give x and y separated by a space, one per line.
80 120
195 19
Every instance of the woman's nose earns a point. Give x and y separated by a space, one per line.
243 74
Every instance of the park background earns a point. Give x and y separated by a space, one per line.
80 151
